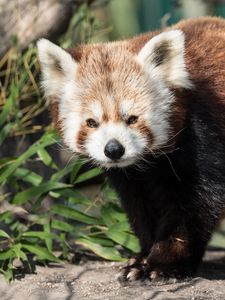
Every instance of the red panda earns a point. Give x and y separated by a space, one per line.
151 111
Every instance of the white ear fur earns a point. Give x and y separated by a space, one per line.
57 66
163 58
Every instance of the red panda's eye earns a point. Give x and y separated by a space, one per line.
132 120
92 123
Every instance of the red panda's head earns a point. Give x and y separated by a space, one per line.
115 106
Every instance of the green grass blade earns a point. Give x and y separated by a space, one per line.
6 109
5 131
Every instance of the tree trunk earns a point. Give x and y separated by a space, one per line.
28 20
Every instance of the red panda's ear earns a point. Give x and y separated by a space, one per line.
57 67
162 57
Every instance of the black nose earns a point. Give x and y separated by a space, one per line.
114 149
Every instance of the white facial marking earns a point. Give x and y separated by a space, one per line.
95 111
159 112
70 114
126 107
132 140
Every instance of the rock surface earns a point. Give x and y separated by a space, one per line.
97 280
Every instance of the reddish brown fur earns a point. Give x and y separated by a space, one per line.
82 136
146 131
174 248
98 74
54 108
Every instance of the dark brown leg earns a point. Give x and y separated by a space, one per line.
171 258
172 255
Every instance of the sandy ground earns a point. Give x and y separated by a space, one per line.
97 280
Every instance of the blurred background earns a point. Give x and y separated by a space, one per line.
53 206
22 21
130 17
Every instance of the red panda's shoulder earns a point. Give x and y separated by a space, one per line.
201 24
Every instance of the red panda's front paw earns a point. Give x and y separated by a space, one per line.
128 274
142 271
133 271
166 272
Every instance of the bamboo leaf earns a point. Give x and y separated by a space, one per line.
18 252
109 253
64 245
46 158
75 170
63 226
88 175
107 216
108 192
4 234
66 170
74 196
40 234
8 274
123 238
41 252
37 191
111 214
73 214
6 254
28 176
46 140
49 240
103 241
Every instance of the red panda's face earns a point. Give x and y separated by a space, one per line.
114 106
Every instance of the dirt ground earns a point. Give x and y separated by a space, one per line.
97 280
